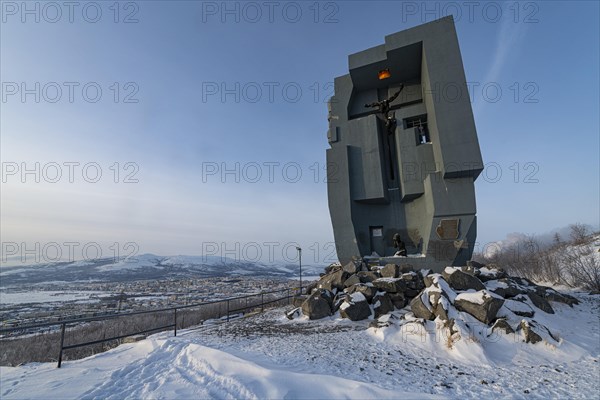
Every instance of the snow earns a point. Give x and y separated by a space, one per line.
517 306
388 280
488 272
493 285
268 356
375 255
439 282
425 299
162 367
450 270
357 297
36 296
472 296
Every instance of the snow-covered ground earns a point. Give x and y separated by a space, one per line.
269 356
47 296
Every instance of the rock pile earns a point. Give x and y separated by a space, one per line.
359 291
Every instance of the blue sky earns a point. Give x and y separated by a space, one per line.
190 90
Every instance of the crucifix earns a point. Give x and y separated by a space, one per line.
383 112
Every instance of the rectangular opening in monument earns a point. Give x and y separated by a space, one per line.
419 124
377 243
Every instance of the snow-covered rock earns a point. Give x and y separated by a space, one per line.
318 305
355 307
382 304
482 304
460 280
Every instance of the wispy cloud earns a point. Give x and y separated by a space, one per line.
507 40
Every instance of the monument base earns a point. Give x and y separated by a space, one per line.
417 261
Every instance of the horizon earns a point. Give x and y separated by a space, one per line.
24 259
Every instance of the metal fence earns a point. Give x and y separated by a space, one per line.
233 307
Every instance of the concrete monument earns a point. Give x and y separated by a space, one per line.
404 152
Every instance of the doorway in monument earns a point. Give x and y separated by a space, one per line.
377 242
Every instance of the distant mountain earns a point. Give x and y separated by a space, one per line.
148 266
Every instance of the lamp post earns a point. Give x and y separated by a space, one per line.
300 262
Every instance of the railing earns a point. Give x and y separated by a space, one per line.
229 311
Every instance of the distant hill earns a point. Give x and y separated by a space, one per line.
148 266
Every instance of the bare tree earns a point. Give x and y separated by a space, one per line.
579 233
574 263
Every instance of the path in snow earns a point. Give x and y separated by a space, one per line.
268 356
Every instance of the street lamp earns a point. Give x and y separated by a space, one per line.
300 262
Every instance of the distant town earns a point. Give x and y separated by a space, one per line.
55 301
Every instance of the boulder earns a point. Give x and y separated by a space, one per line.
409 277
440 285
298 300
474 264
468 270
398 300
533 330
425 272
491 272
334 280
459 280
404 268
367 276
510 288
355 307
428 280
440 309
530 335
524 282
367 290
364 266
383 322
326 283
390 271
552 295
353 280
502 325
332 268
351 267
519 308
482 304
421 308
338 279
438 298
382 304
318 305
410 293
540 303
390 285
373 266
499 291
311 286
413 281
295 313
338 300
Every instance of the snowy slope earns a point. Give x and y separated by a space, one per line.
170 368
268 356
